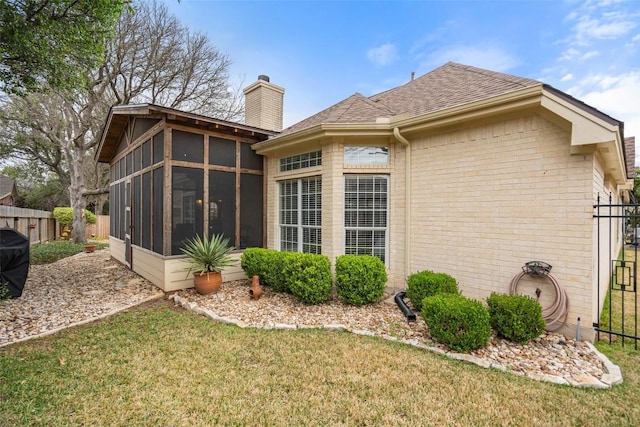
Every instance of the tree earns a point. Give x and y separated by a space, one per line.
37 188
51 43
152 59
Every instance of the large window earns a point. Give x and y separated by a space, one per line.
365 215
300 215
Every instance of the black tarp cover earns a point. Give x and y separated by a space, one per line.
14 261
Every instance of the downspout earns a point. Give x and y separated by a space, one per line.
407 197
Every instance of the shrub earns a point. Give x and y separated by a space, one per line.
267 264
426 284
307 276
360 279
252 262
46 253
64 216
517 318
459 322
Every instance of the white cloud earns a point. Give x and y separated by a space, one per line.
567 77
489 57
589 28
616 96
590 55
383 54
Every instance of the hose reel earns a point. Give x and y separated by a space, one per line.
555 314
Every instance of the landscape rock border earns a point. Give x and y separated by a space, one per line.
612 373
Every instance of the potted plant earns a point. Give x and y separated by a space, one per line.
207 258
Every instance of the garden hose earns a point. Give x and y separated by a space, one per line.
555 314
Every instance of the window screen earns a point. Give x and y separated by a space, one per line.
248 158
187 146
186 212
136 210
146 154
222 204
137 159
158 204
222 152
146 210
129 164
158 147
250 210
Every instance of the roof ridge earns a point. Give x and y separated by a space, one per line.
493 74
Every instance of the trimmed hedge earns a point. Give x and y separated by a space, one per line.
64 215
307 276
426 284
457 321
267 264
360 279
517 318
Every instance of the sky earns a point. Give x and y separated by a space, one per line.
321 52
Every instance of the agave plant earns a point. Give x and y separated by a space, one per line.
208 255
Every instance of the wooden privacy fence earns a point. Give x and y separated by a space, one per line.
100 229
38 226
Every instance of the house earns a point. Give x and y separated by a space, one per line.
8 191
462 170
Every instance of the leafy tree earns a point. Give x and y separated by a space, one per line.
51 43
152 59
37 188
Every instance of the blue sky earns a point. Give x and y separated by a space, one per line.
324 51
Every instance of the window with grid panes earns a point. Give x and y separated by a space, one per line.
301 161
365 215
300 215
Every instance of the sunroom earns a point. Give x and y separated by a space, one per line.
174 175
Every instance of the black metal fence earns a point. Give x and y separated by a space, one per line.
617 317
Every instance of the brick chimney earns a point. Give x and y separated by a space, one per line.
263 104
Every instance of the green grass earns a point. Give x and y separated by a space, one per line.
45 253
619 308
162 366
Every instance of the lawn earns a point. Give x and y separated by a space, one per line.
45 253
162 366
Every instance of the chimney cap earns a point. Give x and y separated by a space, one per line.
263 77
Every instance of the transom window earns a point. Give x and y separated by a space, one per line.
357 155
300 215
365 215
301 161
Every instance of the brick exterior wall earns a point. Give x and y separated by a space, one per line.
263 105
489 198
486 199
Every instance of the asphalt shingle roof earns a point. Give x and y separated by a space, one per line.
447 86
6 185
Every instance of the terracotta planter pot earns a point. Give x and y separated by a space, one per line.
207 283
89 248
255 291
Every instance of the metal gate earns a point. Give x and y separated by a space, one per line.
617 230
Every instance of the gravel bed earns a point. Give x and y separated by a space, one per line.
551 357
71 291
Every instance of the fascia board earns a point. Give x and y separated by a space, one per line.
320 131
590 130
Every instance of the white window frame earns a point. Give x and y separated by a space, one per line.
373 228
299 226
